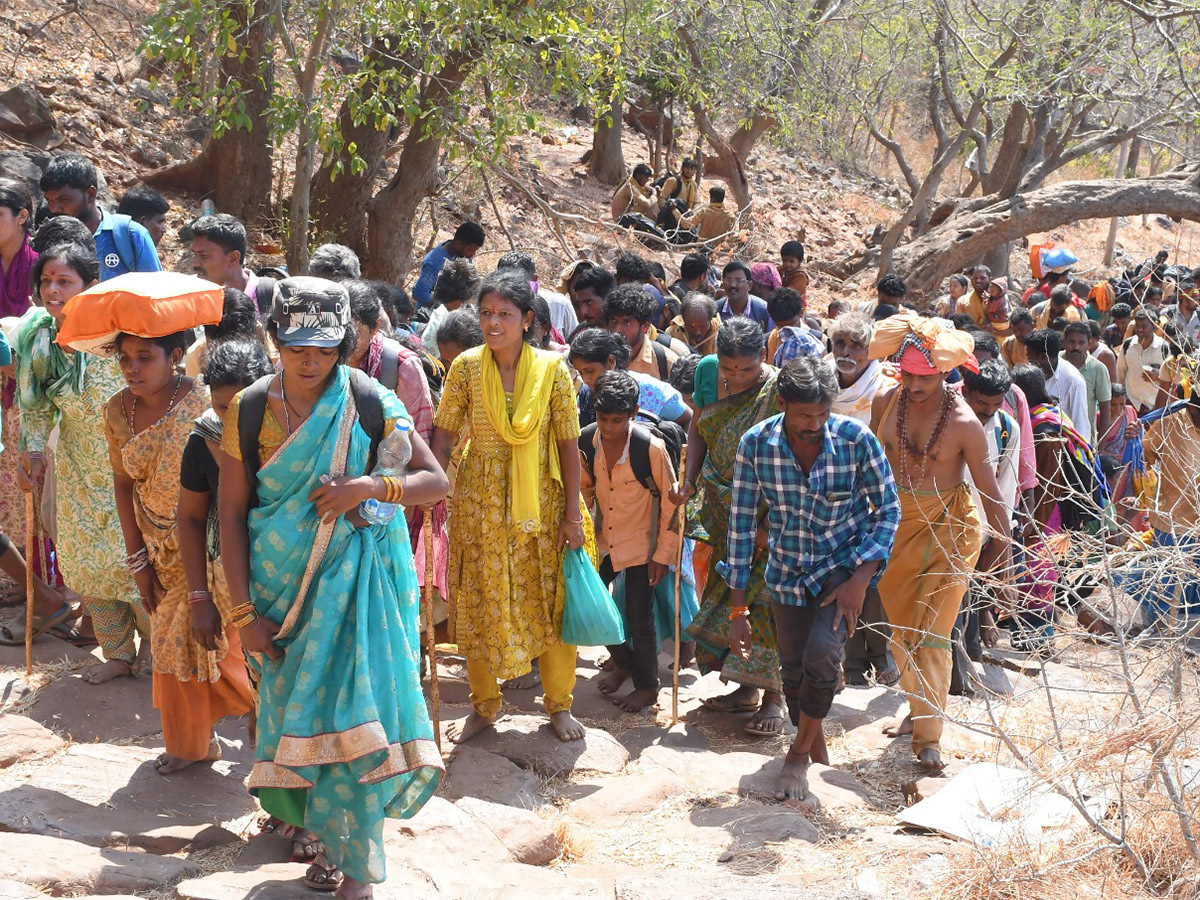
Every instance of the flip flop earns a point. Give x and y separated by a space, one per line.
717 704
327 879
15 636
754 726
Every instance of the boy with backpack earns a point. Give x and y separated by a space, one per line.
626 476
70 184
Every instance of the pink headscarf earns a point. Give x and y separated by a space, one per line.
15 286
765 274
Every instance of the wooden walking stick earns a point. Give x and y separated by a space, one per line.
29 576
682 513
430 637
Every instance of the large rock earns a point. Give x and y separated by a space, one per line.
502 881
70 869
472 772
284 881
27 167
681 736
22 738
106 795
831 788
24 113
45 649
117 710
705 771
613 801
531 743
18 890
529 838
703 886
744 827
442 828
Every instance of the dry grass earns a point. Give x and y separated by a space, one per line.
45 673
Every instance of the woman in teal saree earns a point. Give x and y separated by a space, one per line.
326 604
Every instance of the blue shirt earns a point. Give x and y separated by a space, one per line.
654 396
113 257
756 309
842 513
431 266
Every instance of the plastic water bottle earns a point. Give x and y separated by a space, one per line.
394 454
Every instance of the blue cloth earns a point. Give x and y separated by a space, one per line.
5 351
431 266
796 341
843 513
655 397
664 604
113 257
1153 583
756 309
343 732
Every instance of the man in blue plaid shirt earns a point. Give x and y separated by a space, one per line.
832 513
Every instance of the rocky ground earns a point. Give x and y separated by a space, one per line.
638 810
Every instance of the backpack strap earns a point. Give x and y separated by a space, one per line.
639 458
264 295
389 372
251 410
587 446
125 248
660 356
370 411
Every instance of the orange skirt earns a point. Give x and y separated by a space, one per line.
190 709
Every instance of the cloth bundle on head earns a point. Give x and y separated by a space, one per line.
1046 258
923 346
766 274
146 304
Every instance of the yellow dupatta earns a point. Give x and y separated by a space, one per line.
531 395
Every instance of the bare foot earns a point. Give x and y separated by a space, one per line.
989 632
637 700
930 760
819 753
166 764
606 664
143 663
465 729
744 699
526 682
566 726
792 783
611 682
107 671
901 728
355 890
687 655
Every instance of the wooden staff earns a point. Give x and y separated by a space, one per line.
430 636
29 576
682 513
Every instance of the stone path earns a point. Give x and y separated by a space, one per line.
637 810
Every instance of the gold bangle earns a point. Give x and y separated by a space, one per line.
400 490
244 621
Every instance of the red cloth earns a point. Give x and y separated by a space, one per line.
15 285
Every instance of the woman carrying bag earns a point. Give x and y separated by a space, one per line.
516 505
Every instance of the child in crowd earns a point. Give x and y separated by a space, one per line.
634 527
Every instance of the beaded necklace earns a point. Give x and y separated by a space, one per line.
170 406
922 456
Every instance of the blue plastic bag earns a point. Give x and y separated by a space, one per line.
590 617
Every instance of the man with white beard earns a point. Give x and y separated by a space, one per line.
859 380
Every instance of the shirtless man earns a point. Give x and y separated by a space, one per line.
932 438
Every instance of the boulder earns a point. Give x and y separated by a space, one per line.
18 890
25 113
530 838
106 795
441 828
27 167
69 869
114 711
284 881
531 743
22 738
831 788
703 886
705 771
611 802
471 772
682 736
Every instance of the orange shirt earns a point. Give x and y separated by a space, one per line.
623 508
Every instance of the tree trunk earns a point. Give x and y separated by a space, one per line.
725 163
607 162
969 234
392 211
235 169
298 208
340 201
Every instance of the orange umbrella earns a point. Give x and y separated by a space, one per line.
146 304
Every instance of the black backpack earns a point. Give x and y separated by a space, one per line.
664 178
254 406
649 425
660 345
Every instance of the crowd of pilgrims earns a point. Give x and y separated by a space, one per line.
825 494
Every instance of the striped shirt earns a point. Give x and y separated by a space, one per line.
840 514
